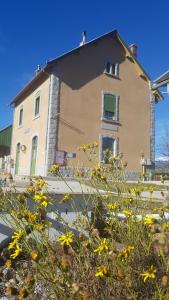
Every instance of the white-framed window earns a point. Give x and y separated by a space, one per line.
37 105
112 69
108 147
21 116
110 106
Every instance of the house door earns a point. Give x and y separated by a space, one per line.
33 155
18 149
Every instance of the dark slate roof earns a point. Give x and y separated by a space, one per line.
163 78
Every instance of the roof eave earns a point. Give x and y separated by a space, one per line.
29 84
143 72
50 63
133 57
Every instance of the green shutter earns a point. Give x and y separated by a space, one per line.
110 103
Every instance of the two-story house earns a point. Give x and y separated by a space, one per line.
96 92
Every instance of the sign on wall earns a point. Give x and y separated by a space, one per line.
60 157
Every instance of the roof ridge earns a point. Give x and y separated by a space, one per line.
82 46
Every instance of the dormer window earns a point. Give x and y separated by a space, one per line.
112 69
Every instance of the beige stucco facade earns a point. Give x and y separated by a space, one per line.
83 82
31 126
79 85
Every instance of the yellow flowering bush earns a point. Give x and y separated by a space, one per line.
115 247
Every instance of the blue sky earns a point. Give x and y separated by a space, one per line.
32 32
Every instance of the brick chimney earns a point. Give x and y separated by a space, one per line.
83 38
133 49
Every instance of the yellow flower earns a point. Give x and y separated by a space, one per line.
12 245
148 220
66 198
16 237
34 255
41 183
40 197
8 263
30 216
125 253
54 168
103 246
80 173
66 239
135 191
18 250
85 147
86 243
39 227
112 206
130 200
151 189
159 209
112 159
96 144
101 271
44 203
18 234
31 189
150 274
127 212
98 168
102 177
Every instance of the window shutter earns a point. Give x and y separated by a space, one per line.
110 103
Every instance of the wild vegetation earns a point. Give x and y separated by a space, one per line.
116 249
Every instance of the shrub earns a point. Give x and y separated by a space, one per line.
120 251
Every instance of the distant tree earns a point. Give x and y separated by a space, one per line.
163 147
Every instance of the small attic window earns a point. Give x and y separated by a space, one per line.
112 69
108 65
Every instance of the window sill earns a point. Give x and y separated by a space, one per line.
112 75
110 121
20 126
36 117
